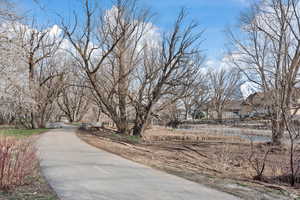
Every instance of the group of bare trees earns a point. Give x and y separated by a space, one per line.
113 59
268 55
117 60
264 51
33 72
212 91
130 74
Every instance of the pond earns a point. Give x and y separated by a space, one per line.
247 134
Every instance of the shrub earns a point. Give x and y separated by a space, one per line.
258 160
18 161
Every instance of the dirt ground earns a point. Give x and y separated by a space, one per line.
216 161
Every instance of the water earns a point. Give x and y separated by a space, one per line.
256 138
247 134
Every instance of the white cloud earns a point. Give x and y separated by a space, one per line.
150 32
223 63
55 31
248 88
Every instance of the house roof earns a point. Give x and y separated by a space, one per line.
265 98
233 105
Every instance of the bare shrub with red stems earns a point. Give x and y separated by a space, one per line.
18 161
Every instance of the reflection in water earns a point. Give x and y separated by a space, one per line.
247 134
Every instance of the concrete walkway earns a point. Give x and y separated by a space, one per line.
78 171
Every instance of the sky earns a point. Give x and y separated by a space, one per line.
213 16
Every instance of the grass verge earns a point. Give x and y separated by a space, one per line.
128 138
22 132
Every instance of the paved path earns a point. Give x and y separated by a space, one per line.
78 171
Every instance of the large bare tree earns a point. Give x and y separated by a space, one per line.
124 70
108 46
167 71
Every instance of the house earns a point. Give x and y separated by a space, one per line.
232 110
259 103
256 104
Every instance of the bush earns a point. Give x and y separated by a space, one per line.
18 161
258 160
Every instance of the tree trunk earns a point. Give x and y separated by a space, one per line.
186 114
139 128
42 123
34 120
123 123
219 116
123 87
71 117
141 121
122 126
34 123
277 131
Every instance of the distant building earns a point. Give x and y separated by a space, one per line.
232 110
259 103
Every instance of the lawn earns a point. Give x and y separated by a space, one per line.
127 138
22 132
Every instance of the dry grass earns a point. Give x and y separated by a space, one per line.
213 162
20 175
166 134
18 161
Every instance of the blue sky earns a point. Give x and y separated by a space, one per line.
213 16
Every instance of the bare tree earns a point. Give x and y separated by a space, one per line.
74 99
196 96
38 50
200 97
166 73
130 72
258 160
293 129
116 39
224 86
269 55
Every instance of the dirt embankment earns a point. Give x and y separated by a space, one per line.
218 162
